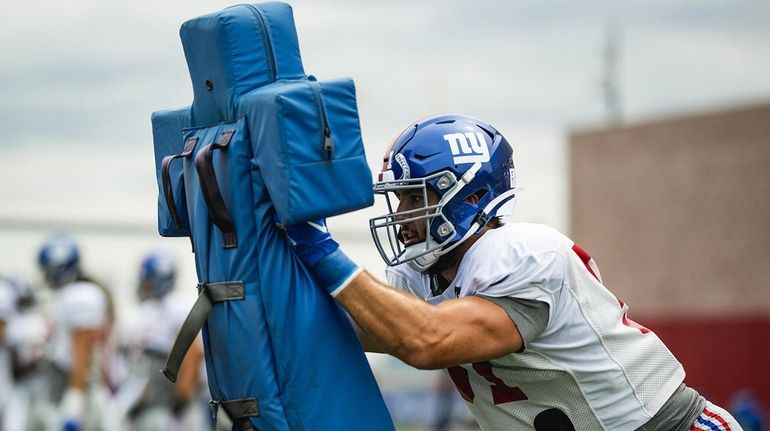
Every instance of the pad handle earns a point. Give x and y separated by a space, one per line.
210 188
168 191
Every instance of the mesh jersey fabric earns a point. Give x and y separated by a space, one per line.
602 372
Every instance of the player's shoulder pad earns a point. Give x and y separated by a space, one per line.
513 259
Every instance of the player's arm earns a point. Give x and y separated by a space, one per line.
83 342
85 310
186 385
457 331
73 404
369 343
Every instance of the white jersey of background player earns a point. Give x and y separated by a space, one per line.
80 312
7 310
517 313
160 404
24 338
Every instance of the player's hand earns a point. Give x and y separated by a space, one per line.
312 241
322 255
72 409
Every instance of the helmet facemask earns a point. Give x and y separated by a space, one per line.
157 275
440 232
61 275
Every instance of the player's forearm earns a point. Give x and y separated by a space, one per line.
83 341
367 341
400 324
396 323
187 382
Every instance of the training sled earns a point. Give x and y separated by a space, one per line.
262 142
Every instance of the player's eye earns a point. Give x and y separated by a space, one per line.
411 197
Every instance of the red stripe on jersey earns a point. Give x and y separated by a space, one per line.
630 323
717 418
585 257
462 382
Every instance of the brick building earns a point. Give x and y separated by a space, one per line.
677 214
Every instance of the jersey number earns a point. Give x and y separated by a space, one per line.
501 393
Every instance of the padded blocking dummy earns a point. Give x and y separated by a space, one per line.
262 140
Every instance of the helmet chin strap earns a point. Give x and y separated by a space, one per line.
422 263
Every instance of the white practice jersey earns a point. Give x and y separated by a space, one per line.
78 305
601 369
7 300
7 311
157 322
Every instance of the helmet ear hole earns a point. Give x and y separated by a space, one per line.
476 196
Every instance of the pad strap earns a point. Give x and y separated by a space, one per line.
211 194
209 294
240 410
168 191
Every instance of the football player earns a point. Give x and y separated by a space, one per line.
25 333
81 312
162 405
516 312
7 309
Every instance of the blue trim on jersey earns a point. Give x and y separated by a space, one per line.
707 422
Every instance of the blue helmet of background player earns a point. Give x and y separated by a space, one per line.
457 157
157 274
59 260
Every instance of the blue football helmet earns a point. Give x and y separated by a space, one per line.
467 163
157 275
59 259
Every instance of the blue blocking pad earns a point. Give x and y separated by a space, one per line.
263 141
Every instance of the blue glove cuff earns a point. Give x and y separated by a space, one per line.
335 271
311 254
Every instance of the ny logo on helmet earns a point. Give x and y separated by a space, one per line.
468 147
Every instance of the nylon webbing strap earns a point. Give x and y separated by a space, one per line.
208 295
240 411
220 216
168 192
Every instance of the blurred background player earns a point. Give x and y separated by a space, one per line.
24 333
81 313
7 299
160 404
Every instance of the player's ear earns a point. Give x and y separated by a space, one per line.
475 197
